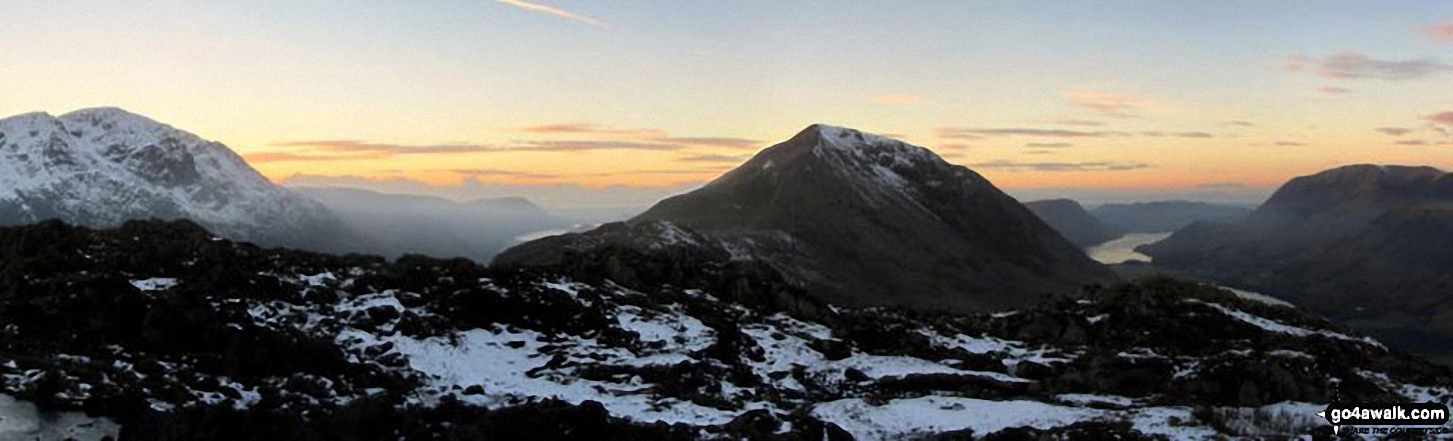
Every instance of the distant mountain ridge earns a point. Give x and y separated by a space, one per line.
1071 220
397 224
1165 216
102 166
861 219
1369 244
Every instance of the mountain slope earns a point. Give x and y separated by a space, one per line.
861 219
174 335
103 166
1165 216
1073 222
1364 243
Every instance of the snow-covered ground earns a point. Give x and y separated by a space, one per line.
20 420
684 356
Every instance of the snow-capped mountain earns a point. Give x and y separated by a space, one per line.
178 336
102 166
860 219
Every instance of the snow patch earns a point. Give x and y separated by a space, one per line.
154 284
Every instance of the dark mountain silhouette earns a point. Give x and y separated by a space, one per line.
1165 216
860 219
1367 244
1073 222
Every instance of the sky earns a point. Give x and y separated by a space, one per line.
581 102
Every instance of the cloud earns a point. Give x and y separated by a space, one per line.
955 146
688 171
734 159
1061 166
1048 145
1119 106
978 133
381 149
553 11
1076 122
491 172
725 142
1411 142
654 135
1395 131
1333 90
577 146
575 138
266 157
1222 186
1194 135
1297 63
1444 118
1358 66
898 99
1441 33
591 129
1289 144
1238 123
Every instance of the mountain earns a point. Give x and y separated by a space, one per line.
102 166
1073 222
1365 244
397 224
1165 216
860 220
157 331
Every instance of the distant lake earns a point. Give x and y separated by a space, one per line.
1123 249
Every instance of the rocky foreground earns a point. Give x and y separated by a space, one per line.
160 330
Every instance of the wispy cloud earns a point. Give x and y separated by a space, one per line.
553 11
1238 123
266 157
1289 143
378 150
651 135
1061 166
724 142
1194 135
576 138
493 172
1221 186
898 99
978 133
715 158
381 149
1297 63
1411 142
1076 122
1444 118
1441 33
1111 104
586 145
1048 145
1353 65
1395 131
1333 90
